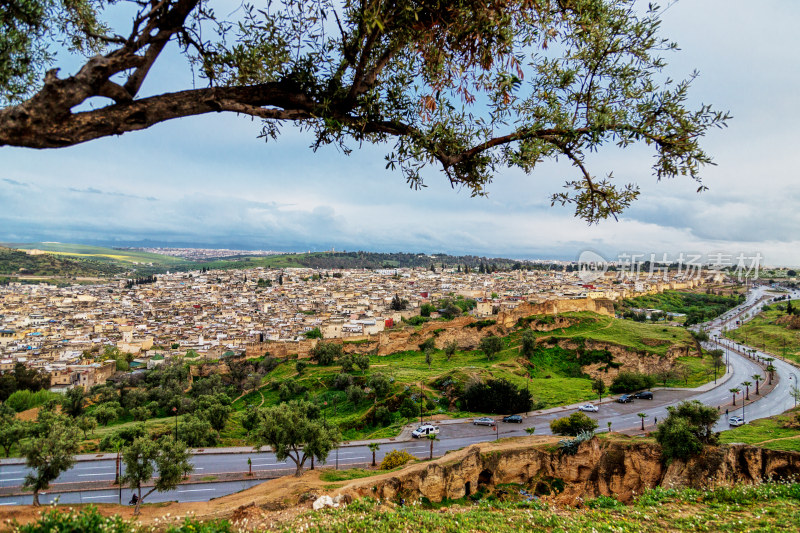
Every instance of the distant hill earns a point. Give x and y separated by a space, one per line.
19 263
370 260
98 253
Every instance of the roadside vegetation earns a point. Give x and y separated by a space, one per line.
776 329
698 307
781 432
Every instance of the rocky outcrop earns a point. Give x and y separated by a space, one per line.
627 360
621 469
600 306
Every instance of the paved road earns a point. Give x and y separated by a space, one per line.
457 434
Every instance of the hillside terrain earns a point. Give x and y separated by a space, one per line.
570 353
772 330
15 263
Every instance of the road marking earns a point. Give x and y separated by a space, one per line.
93 467
16 472
97 497
8 503
197 490
101 474
13 479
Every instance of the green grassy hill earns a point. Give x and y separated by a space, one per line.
98 253
18 263
771 330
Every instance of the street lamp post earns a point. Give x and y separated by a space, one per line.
175 412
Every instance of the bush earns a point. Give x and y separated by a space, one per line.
604 502
289 389
497 396
87 520
347 363
409 408
688 427
300 366
23 400
355 394
396 458
382 416
196 432
631 382
380 384
325 353
573 425
342 381
125 435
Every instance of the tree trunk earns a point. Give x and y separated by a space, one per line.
756 387
373 458
734 399
138 501
36 498
431 448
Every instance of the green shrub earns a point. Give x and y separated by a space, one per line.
87 520
22 400
631 382
573 425
604 502
396 458
497 396
409 408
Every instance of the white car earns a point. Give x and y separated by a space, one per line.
736 421
589 407
425 430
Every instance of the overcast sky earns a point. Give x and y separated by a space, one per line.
209 181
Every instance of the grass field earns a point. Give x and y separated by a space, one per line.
763 332
760 508
781 432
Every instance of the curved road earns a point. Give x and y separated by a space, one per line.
455 434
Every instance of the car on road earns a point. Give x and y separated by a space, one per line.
625 398
643 395
513 418
483 421
425 430
589 408
736 421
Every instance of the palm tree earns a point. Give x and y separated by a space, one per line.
770 368
747 389
373 447
642 416
530 431
735 391
432 437
756 377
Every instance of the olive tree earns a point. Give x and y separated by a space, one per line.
49 453
294 430
166 458
471 87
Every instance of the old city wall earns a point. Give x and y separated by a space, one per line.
409 338
617 468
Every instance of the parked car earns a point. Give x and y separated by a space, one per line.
484 421
513 418
625 398
643 395
736 421
425 430
589 408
